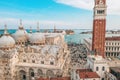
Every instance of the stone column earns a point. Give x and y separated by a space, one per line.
36 73
27 75
17 75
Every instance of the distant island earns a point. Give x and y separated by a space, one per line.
69 32
107 32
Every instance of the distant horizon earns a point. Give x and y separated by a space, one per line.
53 29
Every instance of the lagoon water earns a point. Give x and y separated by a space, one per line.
75 38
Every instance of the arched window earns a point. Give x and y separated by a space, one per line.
103 79
24 60
103 68
42 62
50 73
97 68
22 74
24 77
52 60
40 73
42 59
32 74
51 63
33 61
31 71
24 57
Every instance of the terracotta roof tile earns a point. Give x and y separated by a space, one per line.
114 38
87 73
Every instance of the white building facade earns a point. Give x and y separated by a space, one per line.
112 46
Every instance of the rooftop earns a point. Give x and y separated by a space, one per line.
114 38
87 73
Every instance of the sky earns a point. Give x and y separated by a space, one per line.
64 14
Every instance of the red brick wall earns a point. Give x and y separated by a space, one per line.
98 41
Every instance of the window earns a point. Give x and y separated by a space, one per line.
100 11
24 76
103 68
33 61
52 63
102 78
106 43
106 48
24 60
112 43
42 62
97 68
32 74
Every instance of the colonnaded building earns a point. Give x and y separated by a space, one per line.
29 56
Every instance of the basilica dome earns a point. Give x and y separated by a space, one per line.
21 34
37 38
6 41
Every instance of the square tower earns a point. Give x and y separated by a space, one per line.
99 27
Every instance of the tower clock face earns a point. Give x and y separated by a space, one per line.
101 2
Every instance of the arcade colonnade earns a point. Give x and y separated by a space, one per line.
34 73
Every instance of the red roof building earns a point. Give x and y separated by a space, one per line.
114 38
87 74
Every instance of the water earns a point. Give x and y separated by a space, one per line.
75 38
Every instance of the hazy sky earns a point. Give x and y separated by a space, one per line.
70 14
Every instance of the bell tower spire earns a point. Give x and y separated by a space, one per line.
99 27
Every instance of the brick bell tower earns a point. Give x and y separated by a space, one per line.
99 27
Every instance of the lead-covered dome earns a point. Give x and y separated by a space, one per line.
6 41
21 35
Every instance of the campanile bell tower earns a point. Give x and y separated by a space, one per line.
99 27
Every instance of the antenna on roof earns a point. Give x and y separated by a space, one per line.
38 29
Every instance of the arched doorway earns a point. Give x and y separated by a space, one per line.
50 73
31 73
58 74
40 73
22 74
